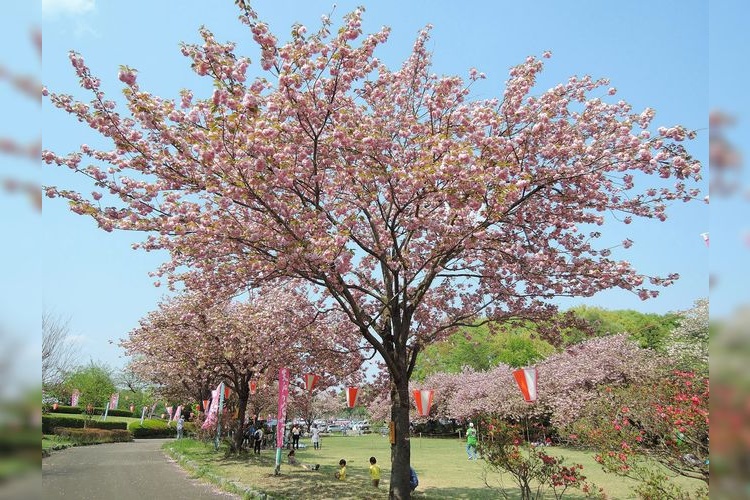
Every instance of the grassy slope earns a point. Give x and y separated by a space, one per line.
442 465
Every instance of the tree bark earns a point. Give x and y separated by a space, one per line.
401 450
243 394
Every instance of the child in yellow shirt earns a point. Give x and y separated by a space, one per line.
341 473
374 472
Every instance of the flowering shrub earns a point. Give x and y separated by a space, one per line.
536 473
665 421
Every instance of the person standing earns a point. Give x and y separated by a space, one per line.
249 435
180 426
374 472
471 442
257 440
315 437
295 436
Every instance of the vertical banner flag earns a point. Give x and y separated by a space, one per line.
177 413
153 409
213 413
705 238
526 380
311 381
423 400
351 396
283 397
113 400
74 397
205 405
169 411
253 385
221 412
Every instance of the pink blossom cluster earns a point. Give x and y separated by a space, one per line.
567 382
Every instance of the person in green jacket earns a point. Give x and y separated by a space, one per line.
471 441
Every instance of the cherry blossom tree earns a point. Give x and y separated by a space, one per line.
176 379
237 342
688 343
396 196
328 404
567 383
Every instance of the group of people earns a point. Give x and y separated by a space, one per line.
340 474
374 469
257 437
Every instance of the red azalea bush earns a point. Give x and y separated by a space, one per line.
664 421
536 473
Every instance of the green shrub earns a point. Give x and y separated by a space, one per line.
49 422
91 436
152 428
97 411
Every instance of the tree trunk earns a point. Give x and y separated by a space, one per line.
239 435
401 450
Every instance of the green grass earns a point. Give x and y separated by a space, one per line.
99 418
442 465
54 442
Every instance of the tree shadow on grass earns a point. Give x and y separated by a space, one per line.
295 482
478 493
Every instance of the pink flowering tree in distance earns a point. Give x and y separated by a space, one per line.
396 196
568 382
179 379
237 342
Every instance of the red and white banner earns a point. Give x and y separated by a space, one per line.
423 399
74 397
113 400
311 380
169 411
253 386
177 413
351 396
526 380
205 404
283 397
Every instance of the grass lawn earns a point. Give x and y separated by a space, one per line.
99 418
442 465
54 442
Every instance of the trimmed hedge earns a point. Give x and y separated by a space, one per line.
153 428
49 422
92 436
97 411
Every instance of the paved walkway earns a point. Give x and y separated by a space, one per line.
121 471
